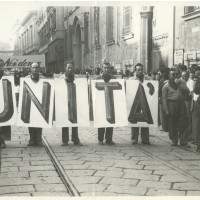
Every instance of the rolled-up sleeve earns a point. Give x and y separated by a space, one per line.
164 98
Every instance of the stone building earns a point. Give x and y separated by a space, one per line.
51 37
121 35
27 35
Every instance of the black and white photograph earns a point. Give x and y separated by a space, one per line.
99 99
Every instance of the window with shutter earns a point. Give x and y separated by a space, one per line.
109 25
96 27
127 13
86 46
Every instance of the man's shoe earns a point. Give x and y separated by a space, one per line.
31 144
186 145
110 142
134 142
64 144
78 143
146 143
2 146
39 144
174 144
101 143
198 150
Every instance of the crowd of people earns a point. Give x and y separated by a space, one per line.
178 110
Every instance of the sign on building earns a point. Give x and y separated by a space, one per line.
178 56
22 61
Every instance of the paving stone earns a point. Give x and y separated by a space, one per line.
159 167
73 167
13 174
195 173
69 158
9 169
16 189
128 165
96 194
37 168
85 180
175 178
15 164
193 193
187 186
43 174
42 162
146 162
91 187
35 158
114 174
50 188
118 181
154 184
161 192
141 158
139 176
139 191
11 159
16 194
72 162
138 171
48 194
29 180
164 172
80 172
91 159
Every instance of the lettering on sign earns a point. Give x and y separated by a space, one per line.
8 101
140 111
29 96
109 99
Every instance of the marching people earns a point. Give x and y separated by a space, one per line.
34 132
135 130
197 111
69 77
173 93
163 80
108 132
5 131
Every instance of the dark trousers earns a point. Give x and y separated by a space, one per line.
144 134
65 134
108 132
189 119
35 135
197 124
5 133
177 121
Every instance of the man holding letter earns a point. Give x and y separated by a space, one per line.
69 79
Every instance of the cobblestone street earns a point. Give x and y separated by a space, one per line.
101 170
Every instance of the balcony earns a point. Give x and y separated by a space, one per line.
191 12
31 48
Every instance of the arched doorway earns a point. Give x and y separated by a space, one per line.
77 48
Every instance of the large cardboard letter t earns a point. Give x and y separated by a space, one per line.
109 99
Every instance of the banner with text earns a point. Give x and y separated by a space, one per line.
8 109
109 103
142 103
22 61
36 103
71 103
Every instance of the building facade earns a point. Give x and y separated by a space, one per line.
51 37
120 35
27 36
